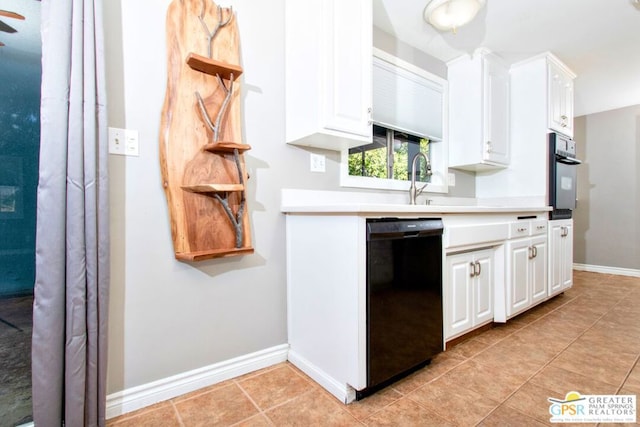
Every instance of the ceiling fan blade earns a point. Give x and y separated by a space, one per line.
11 14
7 28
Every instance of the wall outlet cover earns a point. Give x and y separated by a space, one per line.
123 142
318 162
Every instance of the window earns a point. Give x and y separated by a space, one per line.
389 156
409 115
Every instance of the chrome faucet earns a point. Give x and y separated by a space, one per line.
413 190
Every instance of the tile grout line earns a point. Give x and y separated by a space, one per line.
557 355
177 412
626 377
253 402
314 384
483 350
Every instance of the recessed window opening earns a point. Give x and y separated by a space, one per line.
389 156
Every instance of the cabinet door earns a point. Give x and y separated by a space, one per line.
538 270
560 100
348 44
518 295
496 112
328 49
458 294
556 261
483 287
567 256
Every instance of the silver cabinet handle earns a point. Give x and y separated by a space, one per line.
535 252
369 111
541 227
489 149
473 269
477 264
530 252
521 229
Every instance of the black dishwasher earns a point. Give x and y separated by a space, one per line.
404 297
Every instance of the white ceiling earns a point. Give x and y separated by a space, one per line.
598 39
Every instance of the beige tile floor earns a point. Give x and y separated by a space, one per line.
585 340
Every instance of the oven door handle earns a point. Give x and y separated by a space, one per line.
568 160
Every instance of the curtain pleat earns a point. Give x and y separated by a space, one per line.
72 232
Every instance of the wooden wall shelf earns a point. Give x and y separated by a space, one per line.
213 188
226 147
203 255
213 67
201 149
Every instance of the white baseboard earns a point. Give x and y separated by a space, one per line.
607 270
144 395
342 392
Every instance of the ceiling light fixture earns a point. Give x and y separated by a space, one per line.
449 15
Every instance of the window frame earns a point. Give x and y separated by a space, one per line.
391 137
439 148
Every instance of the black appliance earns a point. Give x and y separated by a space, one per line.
562 176
404 298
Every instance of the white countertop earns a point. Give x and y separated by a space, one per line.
329 202
363 208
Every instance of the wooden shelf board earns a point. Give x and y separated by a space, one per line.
11 15
213 188
214 253
213 67
226 147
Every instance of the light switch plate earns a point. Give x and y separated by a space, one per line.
123 142
116 141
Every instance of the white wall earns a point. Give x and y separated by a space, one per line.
607 224
169 317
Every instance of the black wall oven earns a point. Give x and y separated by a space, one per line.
562 176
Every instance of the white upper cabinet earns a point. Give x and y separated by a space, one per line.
560 81
531 104
478 112
328 73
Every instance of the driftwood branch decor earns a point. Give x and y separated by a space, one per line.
201 149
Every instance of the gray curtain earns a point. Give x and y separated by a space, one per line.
72 232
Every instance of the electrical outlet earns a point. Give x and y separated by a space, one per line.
452 179
123 142
132 148
317 162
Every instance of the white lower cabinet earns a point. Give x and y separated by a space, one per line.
526 273
468 291
560 255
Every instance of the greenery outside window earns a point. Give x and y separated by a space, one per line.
409 109
389 156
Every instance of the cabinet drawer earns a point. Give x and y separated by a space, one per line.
519 229
467 235
527 228
538 227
